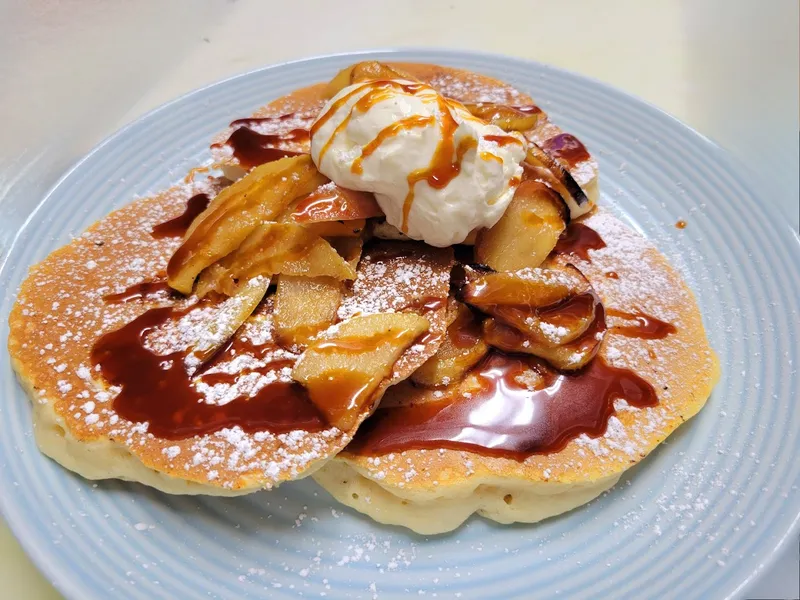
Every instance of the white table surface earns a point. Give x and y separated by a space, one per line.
73 71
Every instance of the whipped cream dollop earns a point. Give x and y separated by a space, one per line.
437 171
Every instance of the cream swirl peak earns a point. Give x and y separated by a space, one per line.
437 171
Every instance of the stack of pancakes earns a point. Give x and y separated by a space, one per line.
103 281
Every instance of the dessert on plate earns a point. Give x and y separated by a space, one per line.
399 282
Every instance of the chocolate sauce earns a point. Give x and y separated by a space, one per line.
251 148
642 326
157 389
139 291
578 239
567 148
179 225
503 417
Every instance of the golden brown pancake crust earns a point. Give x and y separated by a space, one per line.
60 313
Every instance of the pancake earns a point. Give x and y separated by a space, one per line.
63 310
434 491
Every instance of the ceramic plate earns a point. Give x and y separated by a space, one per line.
700 518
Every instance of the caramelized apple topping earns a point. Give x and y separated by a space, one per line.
278 249
236 212
217 332
551 313
507 118
567 357
541 166
364 71
304 306
343 370
331 202
526 233
462 348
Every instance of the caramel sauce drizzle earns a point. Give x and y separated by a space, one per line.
442 168
567 148
504 418
334 203
251 148
139 291
388 132
641 325
179 225
158 390
465 331
502 140
578 239
681 224
377 91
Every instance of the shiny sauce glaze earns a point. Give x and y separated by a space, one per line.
331 202
158 390
566 148
179 225
465 330
145 290
503 417
578 239
640 325
251 148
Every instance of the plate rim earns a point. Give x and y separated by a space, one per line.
746 176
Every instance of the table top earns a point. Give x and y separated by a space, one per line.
75 71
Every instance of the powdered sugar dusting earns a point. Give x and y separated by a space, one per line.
64 296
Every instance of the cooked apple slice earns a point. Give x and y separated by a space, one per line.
529 288
211 280
462 348
226 319
236 212
342 371
341 229
340 81
282 248
349 248
552 306
541 166
330 202
526 233
568 357
507 118
304 306
364 71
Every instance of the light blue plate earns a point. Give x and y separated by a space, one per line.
699 519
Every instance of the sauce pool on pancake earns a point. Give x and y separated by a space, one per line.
157 389
179 225
578 239
505 418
